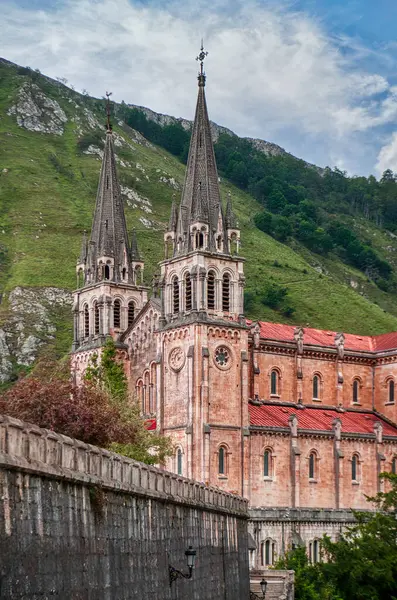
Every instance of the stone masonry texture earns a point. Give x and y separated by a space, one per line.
81 523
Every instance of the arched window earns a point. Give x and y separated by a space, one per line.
356 390
141 395
267 553
175 295
355 467
274 383
314 551
211 290
188 292
86 322
267 463
131 313
226 292
117 314
96 318
316 387
124 273
199 240
219 242
391 391
394 465
222 460
107 272
179 461
312 465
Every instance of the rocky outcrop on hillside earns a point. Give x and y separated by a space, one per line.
216 130
36 112
29 322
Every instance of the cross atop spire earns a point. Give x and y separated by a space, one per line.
201 58
108 123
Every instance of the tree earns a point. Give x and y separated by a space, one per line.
80 412
361 564
106 373
98 412
310 583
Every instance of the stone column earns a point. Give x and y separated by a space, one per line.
298 337
380 457
340 347
193 277
76 325
254 391
295 462
201 294
189 429
241 286
338 457
204 416
244 424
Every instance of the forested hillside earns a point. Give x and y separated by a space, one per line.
316 245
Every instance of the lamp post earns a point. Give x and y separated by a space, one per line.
174 574
263 585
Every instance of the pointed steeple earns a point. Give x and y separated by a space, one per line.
174 215
201 195
230 218
135 256
84 249
109 255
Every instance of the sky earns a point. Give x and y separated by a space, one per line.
317 77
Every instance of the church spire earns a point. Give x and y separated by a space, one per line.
201 199
109 256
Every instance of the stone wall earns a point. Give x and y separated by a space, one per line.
79 522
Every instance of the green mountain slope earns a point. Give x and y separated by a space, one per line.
47 193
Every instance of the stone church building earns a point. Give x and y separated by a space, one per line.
299 421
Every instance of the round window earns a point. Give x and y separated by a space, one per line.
223 357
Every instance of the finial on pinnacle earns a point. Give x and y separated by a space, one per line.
200 58
108 123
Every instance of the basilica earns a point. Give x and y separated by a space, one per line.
298 420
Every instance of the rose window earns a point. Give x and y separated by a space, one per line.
223 357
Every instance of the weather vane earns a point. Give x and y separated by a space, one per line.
109 126
201 57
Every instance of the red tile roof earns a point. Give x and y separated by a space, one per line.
321 337
319 419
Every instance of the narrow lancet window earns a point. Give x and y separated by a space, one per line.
391 391
316 387
117 314
86 322
96 319
175 295
131 313
179 461
226 292
188 292
211 290
355 391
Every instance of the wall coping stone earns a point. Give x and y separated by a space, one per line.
31 449
303 514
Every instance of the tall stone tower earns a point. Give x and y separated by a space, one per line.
204 339
109 271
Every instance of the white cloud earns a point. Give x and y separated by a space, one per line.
272 73
387 157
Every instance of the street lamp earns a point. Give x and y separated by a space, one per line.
174 574
263 585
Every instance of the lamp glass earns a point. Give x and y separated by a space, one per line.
190 557
263 585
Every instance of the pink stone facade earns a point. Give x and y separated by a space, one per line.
301 422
